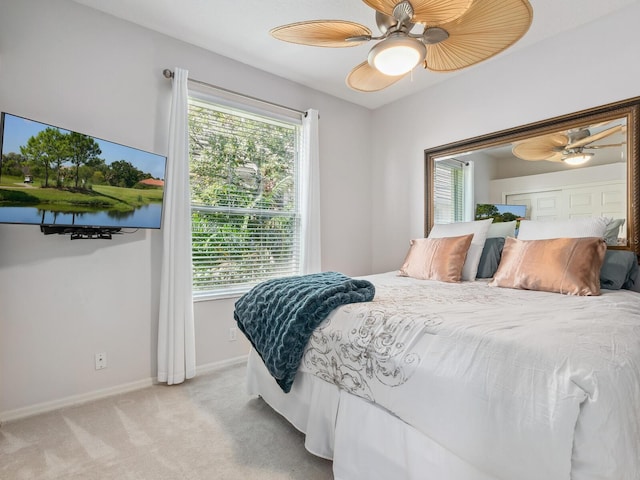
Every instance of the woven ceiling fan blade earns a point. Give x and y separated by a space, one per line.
322 33
610 145
595 137
487 28
545 147
365 78
432 12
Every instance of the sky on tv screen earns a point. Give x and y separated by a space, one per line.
18 130
518 210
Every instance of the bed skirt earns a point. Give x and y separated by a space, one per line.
364 441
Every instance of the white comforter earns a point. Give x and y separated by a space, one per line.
524 385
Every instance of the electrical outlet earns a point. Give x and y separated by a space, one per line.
233 334
101 360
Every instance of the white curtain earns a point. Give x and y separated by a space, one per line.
310 198
176 338
469 194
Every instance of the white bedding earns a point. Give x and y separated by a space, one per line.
517 384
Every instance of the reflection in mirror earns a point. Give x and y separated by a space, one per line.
579 165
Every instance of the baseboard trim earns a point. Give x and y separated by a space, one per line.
44 407
214 366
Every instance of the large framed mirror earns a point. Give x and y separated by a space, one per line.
582 164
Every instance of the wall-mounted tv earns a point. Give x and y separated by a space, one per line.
67 181
500 212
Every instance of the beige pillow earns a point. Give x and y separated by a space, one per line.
563 265
479 228
436 258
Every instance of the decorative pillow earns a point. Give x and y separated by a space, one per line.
490 258
574 228
436 258
563 265
619 270
479 229
612 231
502 229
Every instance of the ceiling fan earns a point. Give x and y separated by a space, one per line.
566 146
455 34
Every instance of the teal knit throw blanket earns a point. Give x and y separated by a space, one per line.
278 316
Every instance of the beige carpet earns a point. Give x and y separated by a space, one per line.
207 428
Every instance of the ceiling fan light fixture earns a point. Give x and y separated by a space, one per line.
577 158
397 55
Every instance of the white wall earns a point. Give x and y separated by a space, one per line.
60 300
590 66
484 171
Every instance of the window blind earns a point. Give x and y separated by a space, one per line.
245 214
449 196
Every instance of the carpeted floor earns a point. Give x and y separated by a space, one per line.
207 428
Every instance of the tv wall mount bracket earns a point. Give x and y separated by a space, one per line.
81 233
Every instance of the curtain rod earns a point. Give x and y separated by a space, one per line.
461 162
169 74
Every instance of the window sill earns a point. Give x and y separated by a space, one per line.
208 297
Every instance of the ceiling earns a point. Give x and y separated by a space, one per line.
240 30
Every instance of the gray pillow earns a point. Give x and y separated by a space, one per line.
490 258
619 270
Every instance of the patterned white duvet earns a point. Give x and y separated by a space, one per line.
521 384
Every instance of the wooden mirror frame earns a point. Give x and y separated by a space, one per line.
630 109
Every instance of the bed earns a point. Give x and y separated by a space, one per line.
470 381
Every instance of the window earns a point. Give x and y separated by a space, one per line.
453 191
244 197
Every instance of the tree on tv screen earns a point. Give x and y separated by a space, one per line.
81 150
486 210
69 160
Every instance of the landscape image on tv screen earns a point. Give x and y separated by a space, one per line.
56 177
500 212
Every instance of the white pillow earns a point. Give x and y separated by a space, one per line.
479 229
574 228
502 229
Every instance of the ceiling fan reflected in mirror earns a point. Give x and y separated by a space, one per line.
568 146
454 34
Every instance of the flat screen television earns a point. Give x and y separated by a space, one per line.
500 212
66 181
